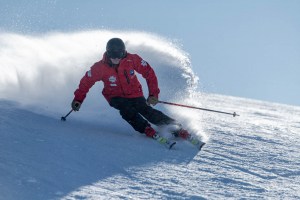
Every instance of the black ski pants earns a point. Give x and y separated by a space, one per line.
138 114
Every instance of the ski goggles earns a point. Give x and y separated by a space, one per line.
115 54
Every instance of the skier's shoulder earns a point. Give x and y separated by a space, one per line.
133 56
136 59
98 65
96 70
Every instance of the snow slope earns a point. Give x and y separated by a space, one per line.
95 155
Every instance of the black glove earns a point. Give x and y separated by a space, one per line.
152 100
76 105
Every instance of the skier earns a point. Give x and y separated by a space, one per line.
123 91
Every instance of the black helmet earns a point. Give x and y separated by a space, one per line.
115 48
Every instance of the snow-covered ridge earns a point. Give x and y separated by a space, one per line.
254 156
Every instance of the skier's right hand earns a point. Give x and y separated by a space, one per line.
76 105
152 100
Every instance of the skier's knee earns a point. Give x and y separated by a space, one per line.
127 114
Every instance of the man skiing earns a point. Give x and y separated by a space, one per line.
123 91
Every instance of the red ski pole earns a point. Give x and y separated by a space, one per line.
205 109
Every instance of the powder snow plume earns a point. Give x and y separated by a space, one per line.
42 71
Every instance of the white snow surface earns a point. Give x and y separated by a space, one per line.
96 155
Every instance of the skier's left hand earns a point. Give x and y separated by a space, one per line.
152 100
75 105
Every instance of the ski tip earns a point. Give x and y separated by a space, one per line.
200 147
170 147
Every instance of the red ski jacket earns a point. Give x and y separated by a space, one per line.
119 81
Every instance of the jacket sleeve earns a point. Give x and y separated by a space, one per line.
86 82
142 67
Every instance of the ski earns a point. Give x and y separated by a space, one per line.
169 144
197 143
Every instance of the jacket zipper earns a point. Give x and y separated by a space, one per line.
126 75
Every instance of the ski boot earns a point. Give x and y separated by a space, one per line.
150 132
184 134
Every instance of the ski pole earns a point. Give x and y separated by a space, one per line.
64 117
205 109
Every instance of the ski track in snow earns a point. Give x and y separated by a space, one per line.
96 155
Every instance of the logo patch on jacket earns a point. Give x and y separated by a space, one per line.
112 80
131 72
144 63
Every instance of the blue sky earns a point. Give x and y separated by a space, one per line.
241 48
